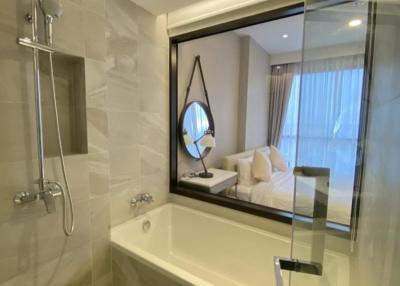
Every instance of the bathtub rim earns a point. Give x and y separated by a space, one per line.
170 270
174 272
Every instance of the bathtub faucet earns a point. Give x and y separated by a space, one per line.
141 199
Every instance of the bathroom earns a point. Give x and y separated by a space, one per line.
132 200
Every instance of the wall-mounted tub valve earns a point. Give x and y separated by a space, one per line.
141 199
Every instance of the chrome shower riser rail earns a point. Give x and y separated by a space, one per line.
38 99
48 190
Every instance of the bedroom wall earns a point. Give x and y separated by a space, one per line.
254 95
220 56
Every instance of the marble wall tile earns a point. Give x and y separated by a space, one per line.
122 96
137 79
37 240
74 267
377 255
101 255
106 280
99 173
95 6
12 16
121 194
154 132
127 271
34 250
17 138
97 130
94 34
124 164
16 72
100 216
124 128
127 95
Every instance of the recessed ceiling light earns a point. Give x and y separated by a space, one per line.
355 23
285 36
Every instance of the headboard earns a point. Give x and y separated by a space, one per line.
229 162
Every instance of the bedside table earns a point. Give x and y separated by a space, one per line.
221 181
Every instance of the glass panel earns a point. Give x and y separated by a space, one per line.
329 120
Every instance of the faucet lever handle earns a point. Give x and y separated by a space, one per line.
49 201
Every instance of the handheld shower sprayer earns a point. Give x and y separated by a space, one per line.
52 9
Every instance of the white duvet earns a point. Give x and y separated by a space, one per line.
278 193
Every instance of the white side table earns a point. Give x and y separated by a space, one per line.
221 181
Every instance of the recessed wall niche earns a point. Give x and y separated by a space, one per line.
69 76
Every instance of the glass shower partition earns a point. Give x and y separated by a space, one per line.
330 137
331 130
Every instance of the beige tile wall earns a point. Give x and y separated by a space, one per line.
126 68
137 81
377 257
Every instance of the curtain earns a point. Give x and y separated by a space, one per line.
281 82
327 120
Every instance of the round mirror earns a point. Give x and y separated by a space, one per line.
196 128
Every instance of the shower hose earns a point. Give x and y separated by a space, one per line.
68 207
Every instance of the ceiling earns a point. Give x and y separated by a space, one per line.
324 28
158 7
269 35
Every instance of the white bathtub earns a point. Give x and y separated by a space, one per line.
196 248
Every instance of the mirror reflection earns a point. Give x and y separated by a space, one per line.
272 113
196 123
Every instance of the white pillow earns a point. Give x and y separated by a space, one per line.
277 159
262 167
245 172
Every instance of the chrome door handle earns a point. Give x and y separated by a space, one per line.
282 263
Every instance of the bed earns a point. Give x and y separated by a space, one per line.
278 193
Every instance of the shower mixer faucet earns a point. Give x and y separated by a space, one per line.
50 192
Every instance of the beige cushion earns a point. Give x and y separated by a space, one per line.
230 162
244 168
262 167
277 159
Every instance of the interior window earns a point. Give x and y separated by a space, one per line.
327 136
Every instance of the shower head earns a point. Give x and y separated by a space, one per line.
51 8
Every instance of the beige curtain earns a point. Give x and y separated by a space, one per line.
281 82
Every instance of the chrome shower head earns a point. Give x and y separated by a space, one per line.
51 8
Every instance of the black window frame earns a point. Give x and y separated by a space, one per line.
243 206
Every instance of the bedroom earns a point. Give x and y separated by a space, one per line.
244 88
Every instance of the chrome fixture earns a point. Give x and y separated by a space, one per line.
141 199
48 190
51 9
146 225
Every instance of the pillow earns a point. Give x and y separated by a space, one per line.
244 171
277 159
262 167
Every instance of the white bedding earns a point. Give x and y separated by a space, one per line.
278 193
